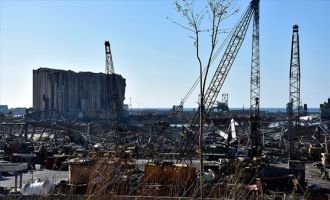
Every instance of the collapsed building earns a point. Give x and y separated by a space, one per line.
79 95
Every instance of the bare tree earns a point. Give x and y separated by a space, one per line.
216 11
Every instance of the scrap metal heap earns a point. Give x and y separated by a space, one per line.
107 160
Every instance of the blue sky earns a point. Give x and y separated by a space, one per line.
156 57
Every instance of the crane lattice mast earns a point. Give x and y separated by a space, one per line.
109 69
255 83
113 90
294 87
294 91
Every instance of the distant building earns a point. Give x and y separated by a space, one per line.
83 94
4 109
325 110
12 112
222 106
18 112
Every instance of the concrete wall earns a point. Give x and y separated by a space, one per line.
83 94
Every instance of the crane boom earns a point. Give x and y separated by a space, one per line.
177 109
220 74
225 64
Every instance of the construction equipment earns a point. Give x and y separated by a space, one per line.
294 93
109 69
223 69
112 86
294 86
235 40
255 86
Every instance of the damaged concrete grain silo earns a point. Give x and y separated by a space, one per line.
83 94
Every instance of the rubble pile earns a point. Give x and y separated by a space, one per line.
139 157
